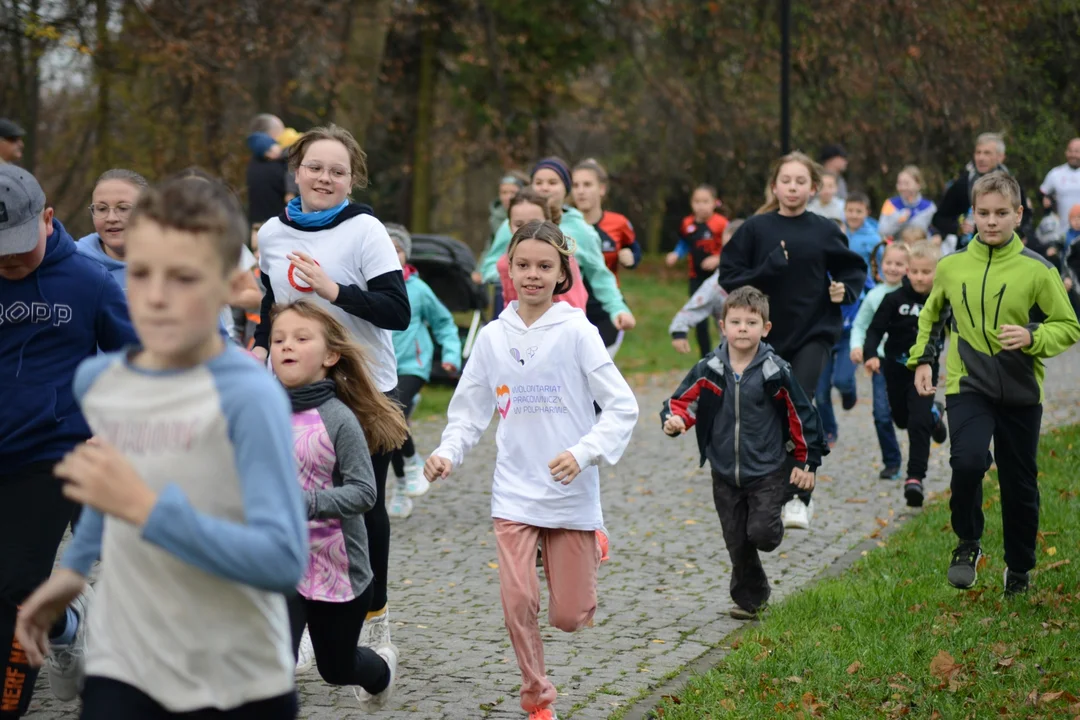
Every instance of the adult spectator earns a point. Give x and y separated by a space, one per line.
1062 184
270 185
834 159
11 141
956 202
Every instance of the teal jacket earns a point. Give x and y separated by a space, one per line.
589 256
413 346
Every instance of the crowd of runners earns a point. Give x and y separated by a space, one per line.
213 402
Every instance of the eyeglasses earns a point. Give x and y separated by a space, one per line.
101 210
315 170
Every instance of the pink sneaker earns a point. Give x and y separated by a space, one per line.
602 542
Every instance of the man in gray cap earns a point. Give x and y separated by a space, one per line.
11 141
57 306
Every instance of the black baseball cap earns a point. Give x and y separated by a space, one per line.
830 151
10 129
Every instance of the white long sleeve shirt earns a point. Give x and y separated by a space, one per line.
542 380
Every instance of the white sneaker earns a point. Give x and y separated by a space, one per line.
796 514
67 663
306 656
400 505
415 482
372 703
376 632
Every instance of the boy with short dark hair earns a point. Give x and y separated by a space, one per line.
750 413
189 486
995 372
57 307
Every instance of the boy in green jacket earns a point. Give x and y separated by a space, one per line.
1009 312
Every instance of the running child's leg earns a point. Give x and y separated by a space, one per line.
571 559
108 699
972 422
335 629
1016 445
896 387
33 517
297 621
823 399
701 330
920 422
749 586
886 434
806 365
520 593
765 500
378 529
844 372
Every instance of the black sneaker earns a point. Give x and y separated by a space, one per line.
963 570
1016 583
940 431
890 473
741 613
848 400
913 492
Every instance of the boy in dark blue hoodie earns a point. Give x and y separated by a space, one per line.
56 308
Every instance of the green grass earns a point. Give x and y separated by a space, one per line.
889 638
654 293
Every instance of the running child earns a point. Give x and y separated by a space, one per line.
189 488
618 240
748 409
415 353
700 241
338 413
71 307
898 317
547 486
114 197
801 261
894 266
995 372
826 202
707 302
325 247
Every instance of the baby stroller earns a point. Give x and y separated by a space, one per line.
446 265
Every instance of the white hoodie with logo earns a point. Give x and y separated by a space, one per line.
542 381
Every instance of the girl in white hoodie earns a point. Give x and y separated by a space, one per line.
541 365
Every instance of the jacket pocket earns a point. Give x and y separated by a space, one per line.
980 370
1019 387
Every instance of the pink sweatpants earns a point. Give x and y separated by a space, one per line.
571 558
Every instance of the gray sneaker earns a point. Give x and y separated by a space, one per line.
376 632
67 663
963 571
371 703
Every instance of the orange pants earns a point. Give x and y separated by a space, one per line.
571 558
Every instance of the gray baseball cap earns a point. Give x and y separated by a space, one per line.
21 202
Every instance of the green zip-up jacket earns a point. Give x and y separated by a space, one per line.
987 287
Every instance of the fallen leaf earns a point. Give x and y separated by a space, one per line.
1033 697
943 665
1005 662
727 704
658 641
857 501
794 679
854 667
493 565
1051 551
1050 696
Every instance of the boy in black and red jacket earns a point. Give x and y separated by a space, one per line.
700 240
750 414
898 317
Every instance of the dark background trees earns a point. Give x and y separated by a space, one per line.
447 94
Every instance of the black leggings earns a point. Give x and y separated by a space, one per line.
335 629
408 386
807 363
912 412
108 699
377 523
33 517
701 330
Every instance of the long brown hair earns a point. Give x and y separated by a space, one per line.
527 195
771 201
381 418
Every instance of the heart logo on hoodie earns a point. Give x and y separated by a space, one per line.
502 400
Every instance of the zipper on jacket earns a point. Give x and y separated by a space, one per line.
738 382
982 301
963 294
997 311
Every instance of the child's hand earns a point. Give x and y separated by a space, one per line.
42 609
836 292
784 246
313 274
625 321
856 355
681 345
273 152
437 468
260 354
477 278
1068 284
98 475
674 425
1051 251
564 468
710 263
626 257
1014 337
924 377
449 367
671 258
802 479
873 365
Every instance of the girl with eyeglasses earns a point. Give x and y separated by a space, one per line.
336 253
115 194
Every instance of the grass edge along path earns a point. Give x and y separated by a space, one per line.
889 638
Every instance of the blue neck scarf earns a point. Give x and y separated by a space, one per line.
319 218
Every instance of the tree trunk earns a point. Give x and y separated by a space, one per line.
103 70
367 23
425 116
